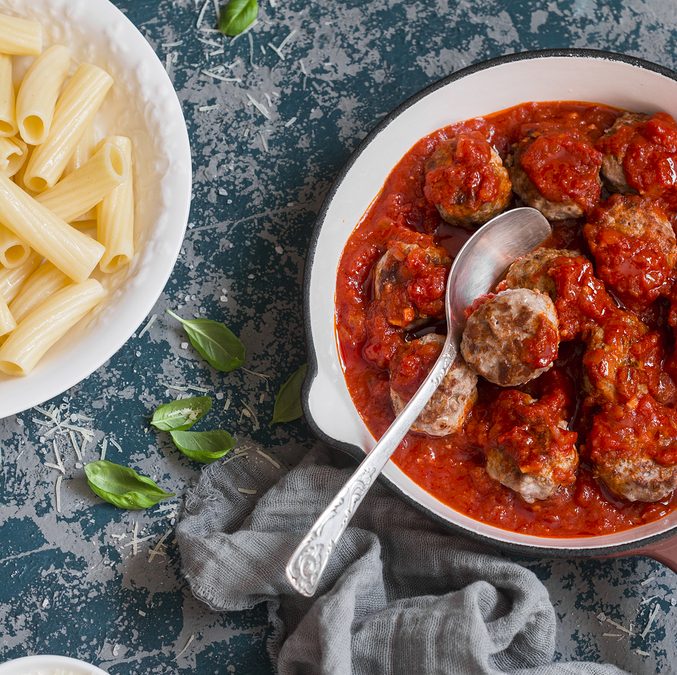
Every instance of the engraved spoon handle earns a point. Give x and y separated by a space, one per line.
308 561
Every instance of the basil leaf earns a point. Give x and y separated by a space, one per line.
181 414
203 446
237 16
215 343
288 400
123 487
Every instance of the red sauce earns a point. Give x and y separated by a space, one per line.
564 166
452 468
469 179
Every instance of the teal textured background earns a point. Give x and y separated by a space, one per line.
75 583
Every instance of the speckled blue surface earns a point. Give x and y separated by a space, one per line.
73 582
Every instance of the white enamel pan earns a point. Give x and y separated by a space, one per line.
550 75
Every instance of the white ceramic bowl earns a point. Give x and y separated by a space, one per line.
49 665
142 105
582 75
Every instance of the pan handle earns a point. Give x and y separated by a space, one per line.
665 551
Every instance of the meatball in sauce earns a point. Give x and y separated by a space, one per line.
466 181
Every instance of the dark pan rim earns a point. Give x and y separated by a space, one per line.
357 453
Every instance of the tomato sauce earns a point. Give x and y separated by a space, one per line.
452 468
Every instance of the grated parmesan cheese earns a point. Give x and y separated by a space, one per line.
259 106
650 620
57 490
268 458
146 328
188 642
201 15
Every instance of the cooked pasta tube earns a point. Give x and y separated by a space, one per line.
87 227
13 251
39 90
47 324
74 253
7 320
83 189
20 36
83 150
11 280
81 98
44 282
7 106
115 216
13 154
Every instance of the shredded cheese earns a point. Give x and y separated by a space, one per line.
650 620
188 642
268 458
57 490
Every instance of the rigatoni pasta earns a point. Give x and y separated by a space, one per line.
83 151
7 100
115 215
13 250
13 154
47 324
44 282
80 100
66 201
74 253
83 189
38 93
20 37
7 320
12 279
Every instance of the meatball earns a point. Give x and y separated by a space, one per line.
614 144
557 173
633 448
642 154
447 409
634 247
512 337
410 282
623 360
532 270
528 447
466 181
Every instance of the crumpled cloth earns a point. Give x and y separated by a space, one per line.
399 595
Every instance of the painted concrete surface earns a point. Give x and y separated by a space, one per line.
272 117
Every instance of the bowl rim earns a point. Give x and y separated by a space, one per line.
313 368
180 212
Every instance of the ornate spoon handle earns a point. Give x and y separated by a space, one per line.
308 561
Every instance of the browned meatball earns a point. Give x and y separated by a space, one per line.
634 247
410 282
556 172
528 447
466 181
633 448
531 270
447 409
512 337
613 146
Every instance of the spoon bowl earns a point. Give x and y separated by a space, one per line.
475 270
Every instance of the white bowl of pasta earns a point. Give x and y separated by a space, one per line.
95 182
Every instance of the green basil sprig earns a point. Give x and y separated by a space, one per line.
203 446
123 487
237 16
288 400
182 414
215 342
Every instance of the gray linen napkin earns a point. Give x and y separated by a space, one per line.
399 595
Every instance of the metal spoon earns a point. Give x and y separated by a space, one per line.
476 269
